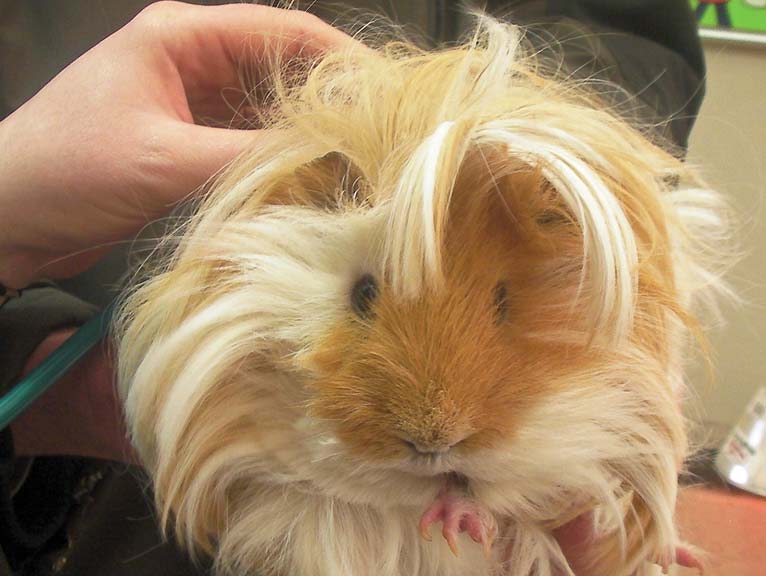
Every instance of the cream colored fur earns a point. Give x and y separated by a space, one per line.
215 346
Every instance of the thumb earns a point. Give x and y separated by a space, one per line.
575 539
202 152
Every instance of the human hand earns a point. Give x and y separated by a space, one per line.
80 415
577 538
110 143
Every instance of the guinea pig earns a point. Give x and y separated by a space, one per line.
451 291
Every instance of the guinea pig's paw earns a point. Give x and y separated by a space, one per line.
458 513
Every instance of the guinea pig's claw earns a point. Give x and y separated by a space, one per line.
432 515
451 539
425 534
489 541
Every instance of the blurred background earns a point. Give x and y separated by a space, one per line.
729 143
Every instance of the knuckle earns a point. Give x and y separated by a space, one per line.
309 20
158 14
307 28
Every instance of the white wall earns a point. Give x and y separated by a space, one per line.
729 140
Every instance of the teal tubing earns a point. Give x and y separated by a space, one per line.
50 370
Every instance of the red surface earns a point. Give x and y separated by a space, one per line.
729 526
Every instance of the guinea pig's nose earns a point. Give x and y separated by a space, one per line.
432 448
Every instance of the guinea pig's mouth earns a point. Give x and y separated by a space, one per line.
431 465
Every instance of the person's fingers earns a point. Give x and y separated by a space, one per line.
576 533
210 45
200 152
79 415
575 538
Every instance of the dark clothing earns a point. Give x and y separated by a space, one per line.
71 516
74 517
648 50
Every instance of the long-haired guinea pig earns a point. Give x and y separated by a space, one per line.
450 294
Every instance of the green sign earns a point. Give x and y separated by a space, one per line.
734 15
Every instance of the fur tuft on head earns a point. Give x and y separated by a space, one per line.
448 252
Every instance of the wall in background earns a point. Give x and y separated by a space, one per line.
729 141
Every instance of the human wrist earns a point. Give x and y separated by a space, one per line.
19 266
16 269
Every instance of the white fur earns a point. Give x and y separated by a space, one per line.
299 502
333 511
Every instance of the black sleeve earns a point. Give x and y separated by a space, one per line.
35 494
26 321
667 23
650 49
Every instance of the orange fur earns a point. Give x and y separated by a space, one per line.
535 288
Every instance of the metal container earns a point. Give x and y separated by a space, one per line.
742 458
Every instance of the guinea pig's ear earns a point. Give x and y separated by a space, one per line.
544 210
520 199
329 182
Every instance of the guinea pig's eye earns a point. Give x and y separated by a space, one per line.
363 295
548 218
672 181
500 301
